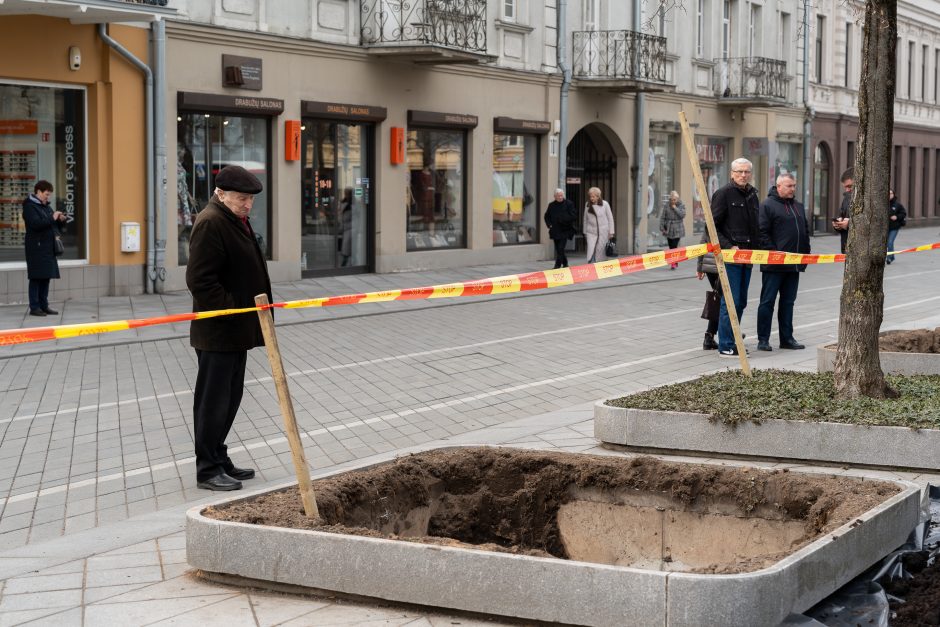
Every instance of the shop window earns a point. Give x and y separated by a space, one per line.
660 169
515 180
42 137
821 185
714 161
206 143
434 196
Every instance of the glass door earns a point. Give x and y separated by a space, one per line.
337 198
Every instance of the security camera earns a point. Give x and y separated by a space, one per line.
75 58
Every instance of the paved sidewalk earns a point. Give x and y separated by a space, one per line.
96 468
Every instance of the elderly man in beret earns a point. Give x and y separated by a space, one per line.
226 270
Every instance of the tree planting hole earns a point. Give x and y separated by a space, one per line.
639 512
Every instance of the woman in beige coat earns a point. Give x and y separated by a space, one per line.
598 225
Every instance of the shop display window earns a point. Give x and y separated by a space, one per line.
435 189
515 189
714 160
206 143
42 137
660 172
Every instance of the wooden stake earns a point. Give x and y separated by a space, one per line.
287 409
713 237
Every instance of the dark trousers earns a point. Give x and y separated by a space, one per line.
785 284
38 294
219 387
673 242
713 322
561 259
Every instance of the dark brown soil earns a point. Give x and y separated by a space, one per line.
921 594
916 341
509 500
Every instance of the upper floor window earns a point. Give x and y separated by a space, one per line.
700 29
509 10
754 32
910 69
592 14
726 29
820 33
783 37
848 54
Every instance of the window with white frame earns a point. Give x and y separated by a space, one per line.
783 37
509 10
848 54
754 32
592 14
726 29
820 33
700 29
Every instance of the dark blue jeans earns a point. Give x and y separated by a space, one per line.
739 277
785 284
892 235
38 294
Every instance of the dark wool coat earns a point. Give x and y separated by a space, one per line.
783 226
735 212
896 209
40 241
226 270
560 218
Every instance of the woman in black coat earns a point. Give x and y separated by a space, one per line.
41 232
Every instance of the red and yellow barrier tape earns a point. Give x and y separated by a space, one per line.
545 279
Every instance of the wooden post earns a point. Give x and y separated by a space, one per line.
713 237
287 409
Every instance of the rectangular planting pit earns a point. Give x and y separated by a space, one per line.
901 351
579 539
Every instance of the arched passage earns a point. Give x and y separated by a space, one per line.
597 158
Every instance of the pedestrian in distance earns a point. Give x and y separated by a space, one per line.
841 222
560 218
672 222
41 243
708 268
598 225
783 226
226 270
897 218
734 208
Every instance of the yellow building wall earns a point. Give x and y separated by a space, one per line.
34 48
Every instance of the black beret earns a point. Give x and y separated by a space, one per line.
234 178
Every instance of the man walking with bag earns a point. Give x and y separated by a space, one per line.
783 227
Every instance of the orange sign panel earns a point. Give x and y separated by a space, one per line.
292 140
397 145
19 127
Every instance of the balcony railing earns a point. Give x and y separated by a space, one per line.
751 78
619 54
457 24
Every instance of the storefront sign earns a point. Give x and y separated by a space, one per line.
241 72
19 127
341 111
755 146
710 153
513 125
573 180
292 140
229 104
442 120
397 144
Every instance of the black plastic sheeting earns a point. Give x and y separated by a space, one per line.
863 601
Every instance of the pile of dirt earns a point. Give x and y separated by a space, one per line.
916 341
509 500
921 593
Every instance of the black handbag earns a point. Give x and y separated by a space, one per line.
611 248
712 305
58 246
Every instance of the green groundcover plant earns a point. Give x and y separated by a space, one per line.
731 397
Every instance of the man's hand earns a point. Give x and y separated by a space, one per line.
894 217
840 224
700 275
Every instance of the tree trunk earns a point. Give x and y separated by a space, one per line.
858 367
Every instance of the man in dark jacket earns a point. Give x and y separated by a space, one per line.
783 227
226 270
841 222
897 218
734 208
560 218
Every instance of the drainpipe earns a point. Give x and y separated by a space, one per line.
148 103
562 51
639 134
158 34
808 113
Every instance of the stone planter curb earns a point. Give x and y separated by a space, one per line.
891 363
895 447
548 589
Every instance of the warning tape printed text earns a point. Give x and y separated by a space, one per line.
496 285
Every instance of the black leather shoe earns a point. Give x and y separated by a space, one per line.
51 312
240 473
37 312
793 346
763 345
220 483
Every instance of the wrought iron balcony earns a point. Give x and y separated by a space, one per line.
445 31
99 11
757 81
620 59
